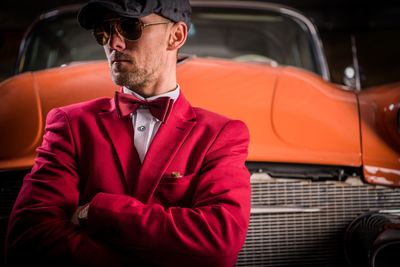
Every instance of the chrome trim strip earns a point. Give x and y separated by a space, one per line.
276 209
55 12
356 64
391 211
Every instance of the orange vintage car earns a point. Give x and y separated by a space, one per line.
321 154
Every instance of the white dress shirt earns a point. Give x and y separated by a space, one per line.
145 126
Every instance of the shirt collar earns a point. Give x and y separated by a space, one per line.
174 94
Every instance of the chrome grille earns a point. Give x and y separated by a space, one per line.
302 223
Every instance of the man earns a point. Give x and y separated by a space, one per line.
142 179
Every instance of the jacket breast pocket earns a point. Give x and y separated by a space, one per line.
173 191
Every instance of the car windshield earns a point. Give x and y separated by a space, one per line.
239 34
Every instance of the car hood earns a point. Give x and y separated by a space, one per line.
294 116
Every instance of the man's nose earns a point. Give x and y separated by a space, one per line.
116 42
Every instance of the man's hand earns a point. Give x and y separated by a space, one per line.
80 214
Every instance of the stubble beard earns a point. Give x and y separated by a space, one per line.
134 78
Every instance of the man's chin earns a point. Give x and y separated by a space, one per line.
120 78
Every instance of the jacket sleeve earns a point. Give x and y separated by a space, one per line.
213 228
39 228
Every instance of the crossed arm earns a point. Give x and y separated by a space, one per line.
121 229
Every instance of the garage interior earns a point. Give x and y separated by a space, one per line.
372 28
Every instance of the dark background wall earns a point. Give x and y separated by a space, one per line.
375 24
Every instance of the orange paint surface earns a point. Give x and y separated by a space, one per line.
294 116
379 109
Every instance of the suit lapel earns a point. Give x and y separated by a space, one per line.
163 148
120 133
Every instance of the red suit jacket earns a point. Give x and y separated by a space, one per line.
140 215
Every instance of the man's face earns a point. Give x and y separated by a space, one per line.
137 64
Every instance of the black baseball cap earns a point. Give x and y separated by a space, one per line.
94 10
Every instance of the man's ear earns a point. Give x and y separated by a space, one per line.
178 35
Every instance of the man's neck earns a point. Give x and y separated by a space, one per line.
163 85
173 94
150 93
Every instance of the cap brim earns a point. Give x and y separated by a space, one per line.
95 12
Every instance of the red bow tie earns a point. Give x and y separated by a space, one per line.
127 104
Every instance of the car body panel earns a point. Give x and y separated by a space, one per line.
29 98
380 126
293 115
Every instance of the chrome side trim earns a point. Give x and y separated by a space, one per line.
390 211
275 209
52 13
356 64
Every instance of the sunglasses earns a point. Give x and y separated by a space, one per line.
129 28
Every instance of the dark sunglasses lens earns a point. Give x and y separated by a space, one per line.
130 29
101 33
